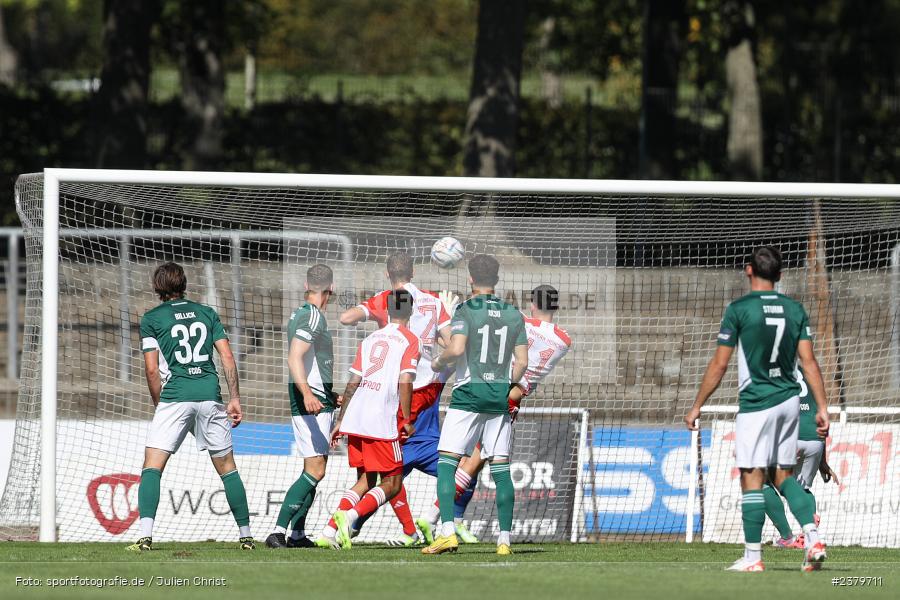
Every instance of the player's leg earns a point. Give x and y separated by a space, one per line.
171 423
466 481
212 431
312 437
459 434
381 458
776 514
496 448
809 457
345 516
297 537
235 494
328 538
785 434
752 456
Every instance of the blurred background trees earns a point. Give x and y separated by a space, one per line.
739 89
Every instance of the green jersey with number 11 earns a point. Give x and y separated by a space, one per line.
766 327
184 332
492 329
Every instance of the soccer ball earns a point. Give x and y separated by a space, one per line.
447 252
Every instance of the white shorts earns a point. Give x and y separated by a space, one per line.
462 430
809 456
768 438
206 420
312 434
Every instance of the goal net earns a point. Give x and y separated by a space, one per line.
600 451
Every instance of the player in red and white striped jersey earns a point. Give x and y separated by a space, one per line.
380 386
430 322
547 345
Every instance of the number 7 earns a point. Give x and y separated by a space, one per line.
778 323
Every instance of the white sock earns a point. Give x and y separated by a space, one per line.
503 538
352 516
433 514
448 529
244 531
296 534
329 531
146 527
812 535
753 552
280 529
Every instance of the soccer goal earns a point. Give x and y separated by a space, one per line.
644 270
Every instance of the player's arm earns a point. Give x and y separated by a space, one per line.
406 391
711 380
816 384
229 368
516 393
520 355
296 352
352 386
455 349
352 316
151 372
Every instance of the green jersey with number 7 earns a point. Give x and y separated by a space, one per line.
184 334
493 329
766 327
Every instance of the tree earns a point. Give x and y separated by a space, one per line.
9 60
494 95
200 43
120 110
745 137
664 32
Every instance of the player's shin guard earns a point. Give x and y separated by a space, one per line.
400 504
753 510
506 496
294 499
148 499
237 501
446 486
775 511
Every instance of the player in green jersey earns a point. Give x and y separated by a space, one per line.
771 333
311 367
178 338
810 459
486 333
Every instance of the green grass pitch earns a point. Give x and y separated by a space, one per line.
665 571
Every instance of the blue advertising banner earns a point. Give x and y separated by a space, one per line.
636 480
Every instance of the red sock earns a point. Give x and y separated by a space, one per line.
369 503
401 509
348 500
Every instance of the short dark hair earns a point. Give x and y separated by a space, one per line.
545 298
484 270
400 267
766 263
319 278
399 304
169 281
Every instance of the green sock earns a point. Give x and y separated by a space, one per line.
775 511
293 499
798 501
148 493
298 521
446 486
237 498
753 509
506 495
812 499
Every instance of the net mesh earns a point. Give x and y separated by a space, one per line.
599 453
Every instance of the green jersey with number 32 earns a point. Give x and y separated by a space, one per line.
184 332
493 329
766 327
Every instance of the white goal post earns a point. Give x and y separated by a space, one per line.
54 178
